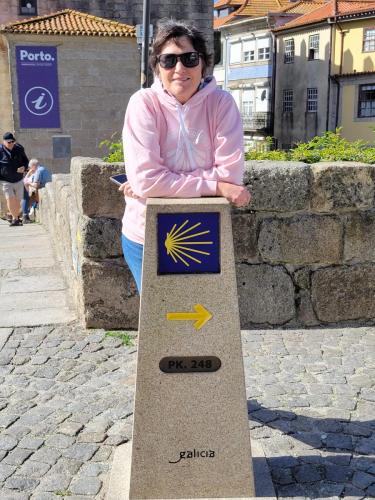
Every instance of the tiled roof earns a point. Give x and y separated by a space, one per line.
344 8
227 3
303 7
251 8
69 22
357 73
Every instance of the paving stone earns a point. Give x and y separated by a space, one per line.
70 428
8 419
81 451
85 485
338 474
31 443
59 441
34 470
55 482
339 441
91 437
366 446
307 473
363 480
17 456
94 469
21 483
46 455
6 471
7 442
66 466
7 494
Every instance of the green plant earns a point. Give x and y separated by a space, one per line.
63 493
115 150
330 146
125 337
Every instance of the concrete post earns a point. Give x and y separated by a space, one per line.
191 433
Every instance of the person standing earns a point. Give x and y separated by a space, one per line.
183 137
13 164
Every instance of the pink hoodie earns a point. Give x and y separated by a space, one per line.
179 151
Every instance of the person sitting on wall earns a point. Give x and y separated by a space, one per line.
36 178
13 164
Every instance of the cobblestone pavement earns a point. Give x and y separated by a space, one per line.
66 399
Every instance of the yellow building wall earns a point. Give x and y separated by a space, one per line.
354 59
351 128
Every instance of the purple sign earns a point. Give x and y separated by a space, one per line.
38 89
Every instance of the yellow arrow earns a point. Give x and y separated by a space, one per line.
200 316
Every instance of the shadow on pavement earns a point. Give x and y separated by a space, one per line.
314 457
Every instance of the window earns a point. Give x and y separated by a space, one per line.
289 51
312 101
235 53
264 53
368 39
249 55
313 47
366 104
248 50
288 101
28 7
248 102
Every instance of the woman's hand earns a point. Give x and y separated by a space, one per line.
127 190
238 195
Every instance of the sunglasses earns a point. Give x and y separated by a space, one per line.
10 142
188 59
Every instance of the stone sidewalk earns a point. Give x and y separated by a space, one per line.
32 291
66 399
66 394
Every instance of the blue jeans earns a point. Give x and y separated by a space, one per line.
133 255
25 202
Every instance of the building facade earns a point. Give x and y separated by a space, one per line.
198 12
245 70
69 112
301 85
325 74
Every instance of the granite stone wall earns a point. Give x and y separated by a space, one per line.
304 248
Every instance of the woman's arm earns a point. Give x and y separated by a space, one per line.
147 175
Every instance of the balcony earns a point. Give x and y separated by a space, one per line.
257 121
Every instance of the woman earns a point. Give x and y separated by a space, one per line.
182 137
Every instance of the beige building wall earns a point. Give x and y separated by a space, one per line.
6 116
303 73
97 76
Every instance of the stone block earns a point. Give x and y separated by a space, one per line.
101 237
110 298
278 186
301 239
342 186
266 295
359 237
244 236
344 293
95 194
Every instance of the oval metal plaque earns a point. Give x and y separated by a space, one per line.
189 364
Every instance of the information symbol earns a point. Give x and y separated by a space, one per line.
39 101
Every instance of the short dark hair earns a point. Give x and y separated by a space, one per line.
170 29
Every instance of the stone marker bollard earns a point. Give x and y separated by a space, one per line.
191 432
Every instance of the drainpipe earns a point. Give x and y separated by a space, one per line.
343 33
329 71
226 60
273 85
